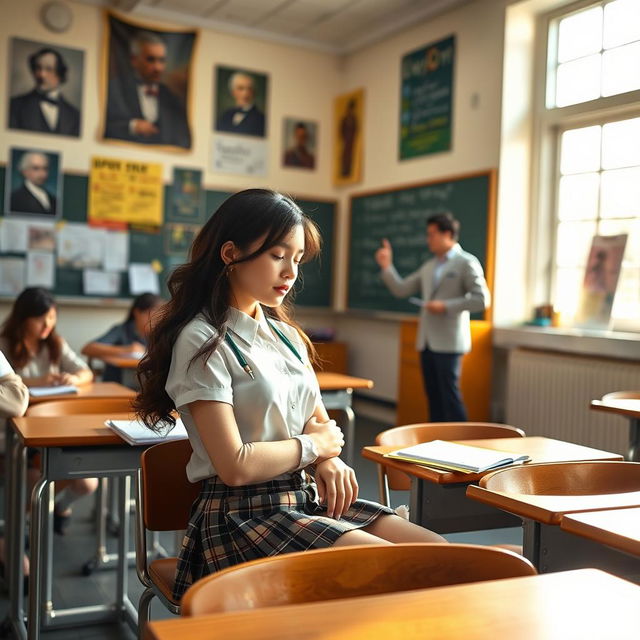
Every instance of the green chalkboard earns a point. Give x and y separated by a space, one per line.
169 245
400 214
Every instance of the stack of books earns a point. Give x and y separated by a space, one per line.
450 456
135 432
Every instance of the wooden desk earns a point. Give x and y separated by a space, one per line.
559 606
618 528
124 362
337 393
75 447
629 408
91 390
438 498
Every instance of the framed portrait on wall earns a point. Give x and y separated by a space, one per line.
147 84
33 183
45 88
300 143
240 101
348 126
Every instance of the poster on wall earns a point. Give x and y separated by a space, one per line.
241 156
45 87
426 99
33 183
348 127
240 101
147 83
300 142
600 281
125 191
187 196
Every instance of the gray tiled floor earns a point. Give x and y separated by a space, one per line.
70 588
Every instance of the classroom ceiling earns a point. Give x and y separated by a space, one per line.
336 26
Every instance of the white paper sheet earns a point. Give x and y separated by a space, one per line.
41 236
12 273
143 279
103 283
13 235
40 269
80 246
116 257
233 154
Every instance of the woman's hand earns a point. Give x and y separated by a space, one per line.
327 437
337 486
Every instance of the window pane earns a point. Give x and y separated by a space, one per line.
578 81
621 143
580 150
621 69
573 243
631 227
621 23
580 34
568 287
620 194
578 197
626 305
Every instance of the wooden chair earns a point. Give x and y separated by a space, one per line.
164 496
411 434
347 572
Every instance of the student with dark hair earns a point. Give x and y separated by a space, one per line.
44 108
127 338
225 353
42 358
452 286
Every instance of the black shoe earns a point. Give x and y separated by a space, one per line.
60 523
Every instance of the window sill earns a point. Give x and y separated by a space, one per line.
607 344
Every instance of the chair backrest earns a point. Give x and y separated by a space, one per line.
167 493
76 406
346 572
566 478
622 395
410 434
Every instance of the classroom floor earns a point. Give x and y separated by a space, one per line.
70 588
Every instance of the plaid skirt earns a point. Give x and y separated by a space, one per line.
230 525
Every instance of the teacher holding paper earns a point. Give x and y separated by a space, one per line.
452 286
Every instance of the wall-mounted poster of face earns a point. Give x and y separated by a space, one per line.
147 84
241 101
45 87
300 143
348 123
33 183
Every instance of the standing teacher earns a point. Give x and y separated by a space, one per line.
452 286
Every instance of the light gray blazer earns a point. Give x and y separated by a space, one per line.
462 288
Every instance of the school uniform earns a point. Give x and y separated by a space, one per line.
119 334
229 525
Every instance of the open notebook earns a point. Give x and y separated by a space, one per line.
57 390
451 456
135 432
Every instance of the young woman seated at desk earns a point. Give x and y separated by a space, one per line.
225 353
128 339
42 358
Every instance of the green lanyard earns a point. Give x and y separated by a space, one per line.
240 358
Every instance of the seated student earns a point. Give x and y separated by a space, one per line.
14 399
227 356
42 358
126 338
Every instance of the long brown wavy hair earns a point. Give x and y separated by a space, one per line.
33 302
201 286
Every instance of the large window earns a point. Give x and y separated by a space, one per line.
592 117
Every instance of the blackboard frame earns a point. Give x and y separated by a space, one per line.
491 176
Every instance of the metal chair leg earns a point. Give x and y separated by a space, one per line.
144 608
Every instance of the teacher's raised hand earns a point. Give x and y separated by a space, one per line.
384 255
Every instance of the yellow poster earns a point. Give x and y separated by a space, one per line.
348 119
125 191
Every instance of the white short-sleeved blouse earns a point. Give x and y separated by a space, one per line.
275 406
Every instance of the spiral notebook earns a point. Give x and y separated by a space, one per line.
135 432
451 456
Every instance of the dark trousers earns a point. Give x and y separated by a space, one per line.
441 375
